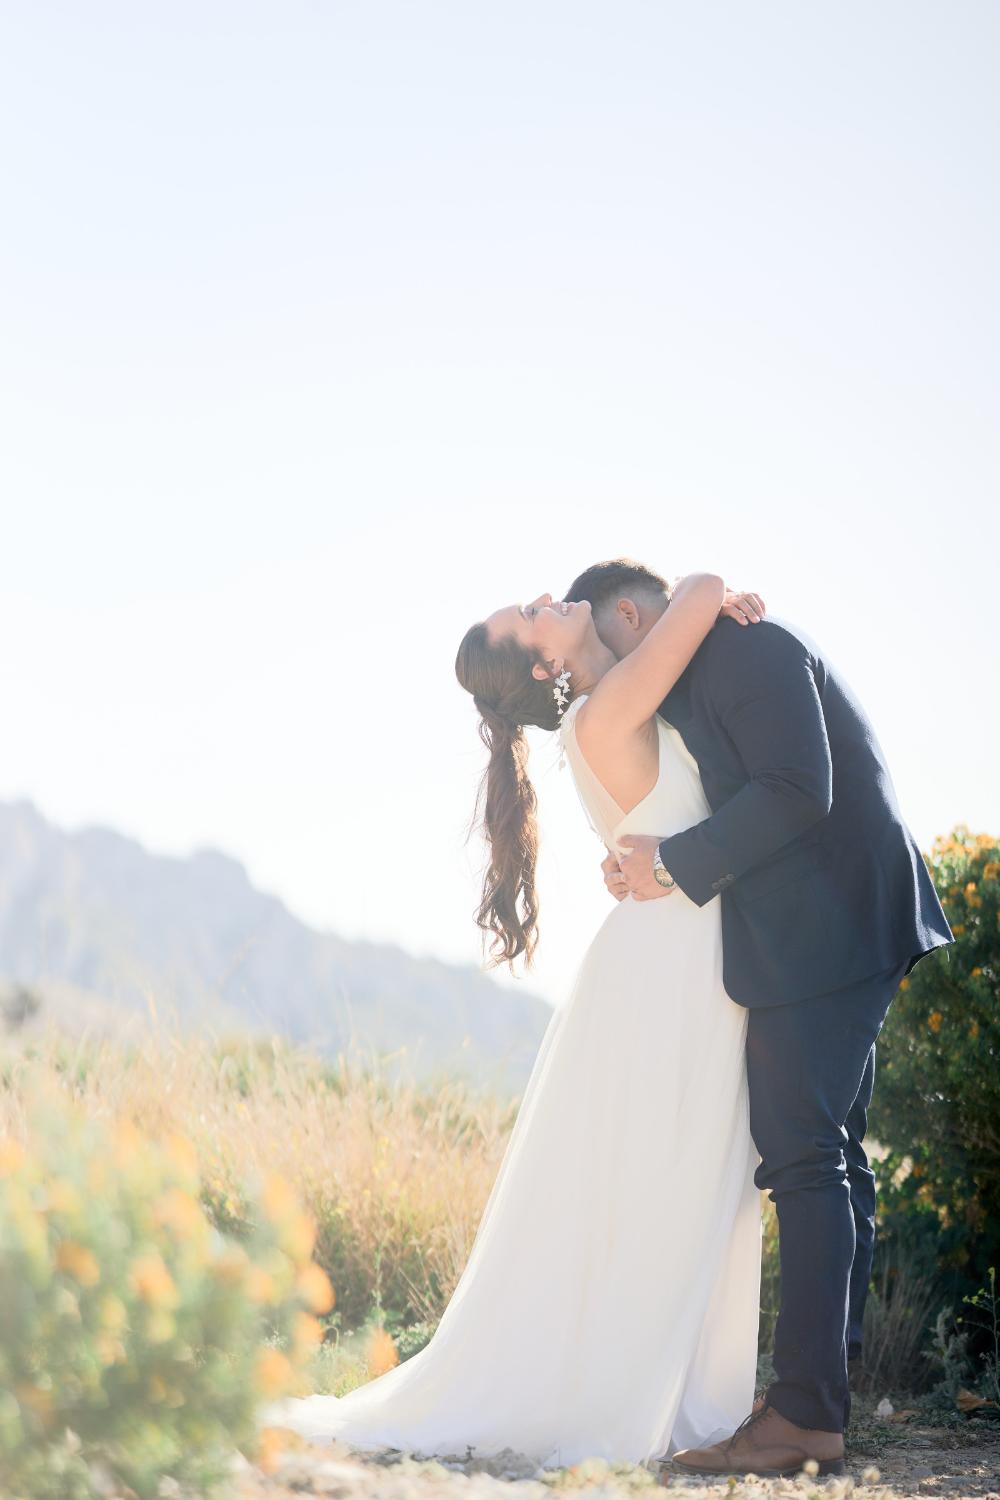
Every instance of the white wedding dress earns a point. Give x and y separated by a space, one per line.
609 1304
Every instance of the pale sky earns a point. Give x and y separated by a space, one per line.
329 328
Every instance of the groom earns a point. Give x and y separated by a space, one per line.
826 905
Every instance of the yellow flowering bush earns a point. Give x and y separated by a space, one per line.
937 1091
136 1340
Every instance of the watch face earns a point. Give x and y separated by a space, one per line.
662 878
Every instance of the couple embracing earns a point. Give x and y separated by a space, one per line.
719 1038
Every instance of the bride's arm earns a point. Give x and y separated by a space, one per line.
631 692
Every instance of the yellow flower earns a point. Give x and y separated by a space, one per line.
904 984
277 1199
958 930
12 1156
127 1142
259 1285
970 887
976 972
992 870
297 1237
934 1020
182 1153
381 1353
271 1443
181 1212
110 1349
974 1030
32 1232
272 1371
113 1312
153 1282
97 1176
63 1197
160 1326
36 1400
79 1262
307 1332
313 1285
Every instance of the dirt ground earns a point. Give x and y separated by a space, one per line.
915 1460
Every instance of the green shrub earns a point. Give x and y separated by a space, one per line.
136 1340
936 1109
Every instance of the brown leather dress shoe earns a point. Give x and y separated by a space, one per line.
767 1444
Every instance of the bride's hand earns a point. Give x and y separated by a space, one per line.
745 608
613 877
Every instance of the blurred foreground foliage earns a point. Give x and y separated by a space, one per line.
136 1340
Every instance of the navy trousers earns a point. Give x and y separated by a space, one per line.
811 1069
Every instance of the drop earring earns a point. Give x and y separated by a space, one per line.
560 692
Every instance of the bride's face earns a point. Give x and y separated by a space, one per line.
556 628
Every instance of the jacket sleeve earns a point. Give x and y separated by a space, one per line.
764 690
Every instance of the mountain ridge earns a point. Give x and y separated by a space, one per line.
96 911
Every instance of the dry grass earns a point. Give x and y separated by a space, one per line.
396 1178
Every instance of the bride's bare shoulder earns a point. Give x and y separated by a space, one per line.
583 719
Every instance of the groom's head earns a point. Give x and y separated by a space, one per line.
626 600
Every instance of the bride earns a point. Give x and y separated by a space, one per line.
609 1304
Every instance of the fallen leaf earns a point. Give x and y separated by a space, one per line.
967 1401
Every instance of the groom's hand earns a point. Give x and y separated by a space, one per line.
637 867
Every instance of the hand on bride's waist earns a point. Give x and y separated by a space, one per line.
634 872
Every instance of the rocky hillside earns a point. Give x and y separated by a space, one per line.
104 934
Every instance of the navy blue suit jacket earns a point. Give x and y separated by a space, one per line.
820 879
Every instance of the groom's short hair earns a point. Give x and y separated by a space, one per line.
607 582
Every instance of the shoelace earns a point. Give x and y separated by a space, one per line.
748 1422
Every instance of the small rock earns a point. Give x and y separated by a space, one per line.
885 1408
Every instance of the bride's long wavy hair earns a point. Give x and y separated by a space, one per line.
498 675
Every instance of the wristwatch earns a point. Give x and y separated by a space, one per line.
660 873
